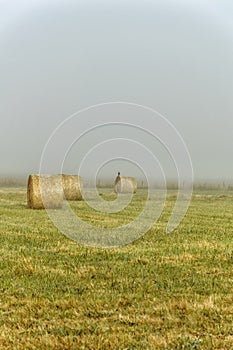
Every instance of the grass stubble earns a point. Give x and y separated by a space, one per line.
164 291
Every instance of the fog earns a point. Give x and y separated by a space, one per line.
59 57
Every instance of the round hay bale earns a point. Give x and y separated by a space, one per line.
44 191
72 187
125 184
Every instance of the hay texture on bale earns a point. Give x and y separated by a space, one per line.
44 191
72 187
125 184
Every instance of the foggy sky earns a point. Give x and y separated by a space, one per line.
57 57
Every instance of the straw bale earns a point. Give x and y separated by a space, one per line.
44 191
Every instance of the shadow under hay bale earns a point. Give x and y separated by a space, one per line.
72 187
44 191
125 184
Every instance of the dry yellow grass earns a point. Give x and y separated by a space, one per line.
165 291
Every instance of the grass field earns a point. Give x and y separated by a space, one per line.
164 291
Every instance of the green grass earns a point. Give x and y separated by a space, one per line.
164 291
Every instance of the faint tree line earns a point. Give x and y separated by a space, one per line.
8 181
21 181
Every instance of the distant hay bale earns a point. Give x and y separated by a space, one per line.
125 184
72 187
44 191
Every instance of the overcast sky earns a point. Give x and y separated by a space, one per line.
57 57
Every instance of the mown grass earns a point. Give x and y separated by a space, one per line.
164 291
